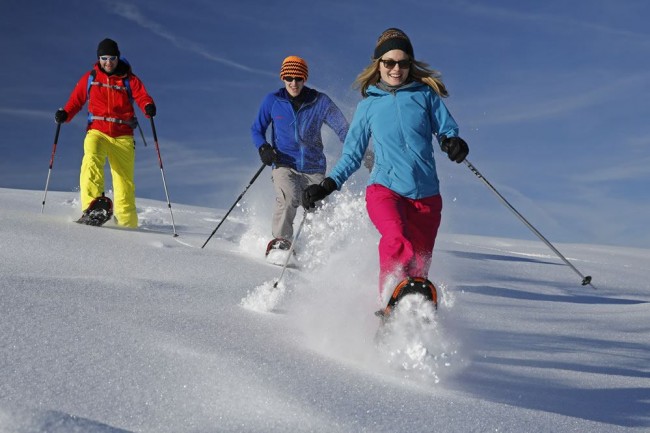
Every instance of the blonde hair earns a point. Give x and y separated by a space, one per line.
419 71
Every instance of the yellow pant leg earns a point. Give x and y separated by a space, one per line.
91 177
121 157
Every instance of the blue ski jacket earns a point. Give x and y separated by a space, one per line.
402 124
296 136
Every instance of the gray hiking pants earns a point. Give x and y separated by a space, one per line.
289 184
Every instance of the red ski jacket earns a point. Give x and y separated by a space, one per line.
109 105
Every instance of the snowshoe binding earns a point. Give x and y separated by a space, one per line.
409 286
98 212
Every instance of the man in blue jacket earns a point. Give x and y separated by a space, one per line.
296 114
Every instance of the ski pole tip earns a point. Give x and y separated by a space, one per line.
586 280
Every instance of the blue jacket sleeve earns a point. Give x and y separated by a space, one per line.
335 119
262 121
441 118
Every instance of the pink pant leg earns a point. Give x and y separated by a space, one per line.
423 218
408 229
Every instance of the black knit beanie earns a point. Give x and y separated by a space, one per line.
393 39
108 47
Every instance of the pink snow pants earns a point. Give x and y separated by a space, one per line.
408 229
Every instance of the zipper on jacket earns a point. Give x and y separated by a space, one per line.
399 117
301 147
298 140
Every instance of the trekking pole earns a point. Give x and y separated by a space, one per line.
234 204
585 279
47 182
162 172
141 133
295 238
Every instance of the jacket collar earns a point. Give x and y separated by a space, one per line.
381 89
308 94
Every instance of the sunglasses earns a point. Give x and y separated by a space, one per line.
290 79
111 58
390 64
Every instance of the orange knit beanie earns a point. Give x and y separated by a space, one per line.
294 66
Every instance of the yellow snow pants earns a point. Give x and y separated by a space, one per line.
120 152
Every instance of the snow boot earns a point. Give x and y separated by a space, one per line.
410 286
98 212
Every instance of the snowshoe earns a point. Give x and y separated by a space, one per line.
408 286
409 339
98 212
278 244
278 251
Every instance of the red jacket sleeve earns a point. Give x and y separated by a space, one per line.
78 97
139 93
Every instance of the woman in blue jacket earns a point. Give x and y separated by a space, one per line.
296 114
402 111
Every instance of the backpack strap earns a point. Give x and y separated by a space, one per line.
91 78
127 86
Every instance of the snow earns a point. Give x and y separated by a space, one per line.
107 330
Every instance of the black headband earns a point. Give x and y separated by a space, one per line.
394 44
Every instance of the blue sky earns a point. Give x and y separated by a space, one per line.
551 97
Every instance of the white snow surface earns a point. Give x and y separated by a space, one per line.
108 330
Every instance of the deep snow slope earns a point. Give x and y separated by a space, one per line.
110 330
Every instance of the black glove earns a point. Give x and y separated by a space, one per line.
455 147
267 154
317 192
60 116
150 110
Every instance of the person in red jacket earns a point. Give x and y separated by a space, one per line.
110 88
